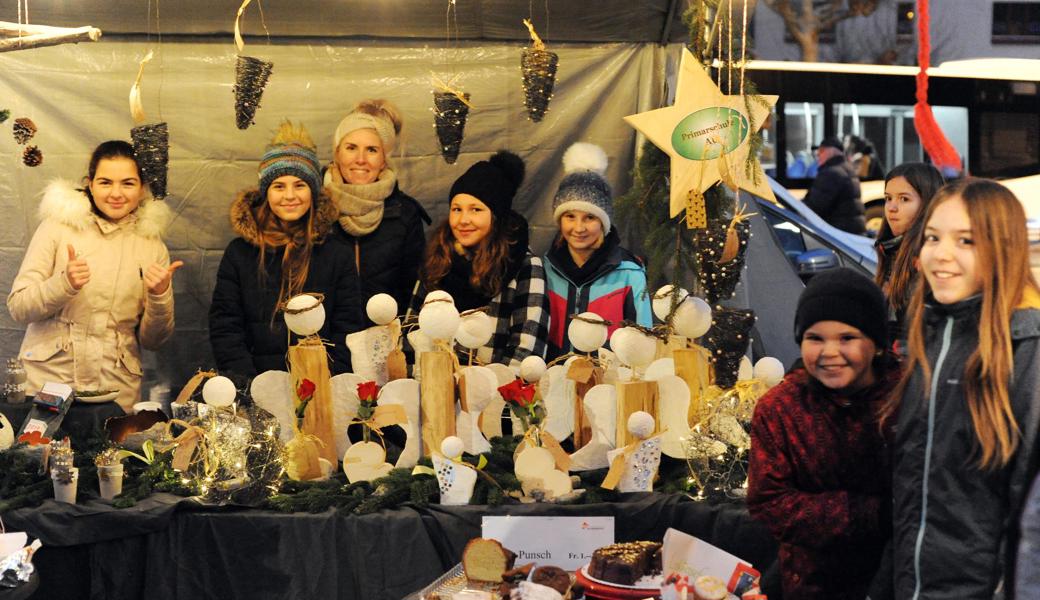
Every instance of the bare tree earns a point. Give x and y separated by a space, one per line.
805 19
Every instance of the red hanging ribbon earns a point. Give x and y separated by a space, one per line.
939 149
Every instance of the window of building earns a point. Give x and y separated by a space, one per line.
1016 23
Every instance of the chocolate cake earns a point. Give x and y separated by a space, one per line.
553 577
626 563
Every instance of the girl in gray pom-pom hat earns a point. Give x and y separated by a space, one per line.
586 269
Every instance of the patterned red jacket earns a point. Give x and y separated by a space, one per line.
819 480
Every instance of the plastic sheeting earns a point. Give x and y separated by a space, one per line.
78 97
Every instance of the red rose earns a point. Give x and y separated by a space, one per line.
305 390
526 395
516 392
367 390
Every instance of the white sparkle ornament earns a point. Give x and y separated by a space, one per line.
633 347
381 309
475 330
692 318
439 319
219 391
662 300
587 337
769 370
745 371
532 369
304 314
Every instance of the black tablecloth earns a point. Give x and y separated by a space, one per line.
82 420
170 548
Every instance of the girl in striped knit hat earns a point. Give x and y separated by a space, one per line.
284 248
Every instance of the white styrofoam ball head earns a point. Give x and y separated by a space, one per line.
641 424
746 371
6 433
633 347
662 300
439 295
452 446
439 320
304 314
532 369
692 318
475 330
219 391
769 370
381 309
587 337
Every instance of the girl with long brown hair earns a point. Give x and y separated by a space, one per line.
284 248
909 189
480 256
966 413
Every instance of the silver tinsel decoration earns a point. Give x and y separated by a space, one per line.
152 148
449 117
251 76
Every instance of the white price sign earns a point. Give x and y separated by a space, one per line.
565 542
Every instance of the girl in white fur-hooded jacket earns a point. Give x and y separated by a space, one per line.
95 284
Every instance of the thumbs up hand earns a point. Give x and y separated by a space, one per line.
157 278
76 270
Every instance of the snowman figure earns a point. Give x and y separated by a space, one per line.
641 463
455 480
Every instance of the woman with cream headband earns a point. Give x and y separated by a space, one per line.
382 224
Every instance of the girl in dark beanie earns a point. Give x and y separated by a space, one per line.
818 477
480 256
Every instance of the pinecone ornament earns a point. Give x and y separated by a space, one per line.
32 157
449 117
728 341
24 130
538 66
251 75
152 148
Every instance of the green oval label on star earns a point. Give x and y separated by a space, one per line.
709 132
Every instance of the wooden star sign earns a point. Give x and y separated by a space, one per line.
706 134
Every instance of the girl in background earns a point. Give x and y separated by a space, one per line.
909 189
586 268
285 247
966 411
95 284
480 256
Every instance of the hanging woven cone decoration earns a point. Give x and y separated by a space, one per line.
538 66
151 142
251 75
32 157
728 341
152 148
24 129
450 110
722 252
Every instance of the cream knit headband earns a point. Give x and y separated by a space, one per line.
358 120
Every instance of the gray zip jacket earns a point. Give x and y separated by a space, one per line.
955 526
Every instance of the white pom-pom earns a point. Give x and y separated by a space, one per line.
662 300
584 156
439 320
746 371
641 424
304 314
452 446
532 369
769 370
633 347
219 391
692 318
381 309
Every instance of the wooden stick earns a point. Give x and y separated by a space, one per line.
39 40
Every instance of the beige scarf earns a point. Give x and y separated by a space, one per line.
360 205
